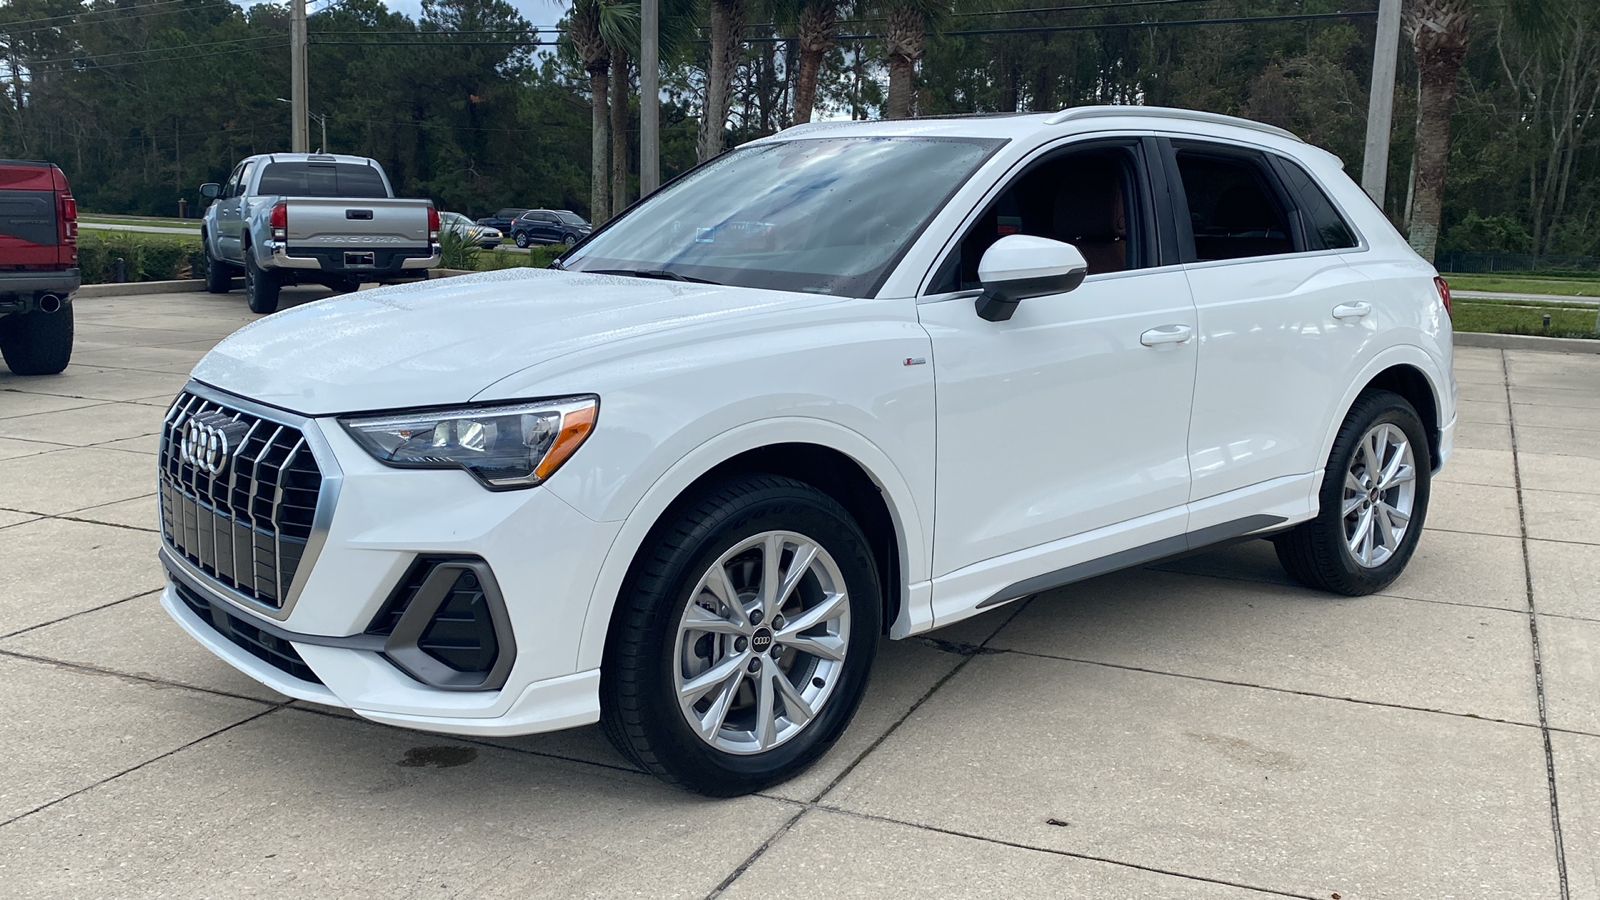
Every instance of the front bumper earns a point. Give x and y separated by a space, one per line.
545 557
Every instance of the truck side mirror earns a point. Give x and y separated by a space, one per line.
211 190
1020 266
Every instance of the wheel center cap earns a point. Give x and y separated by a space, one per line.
761 641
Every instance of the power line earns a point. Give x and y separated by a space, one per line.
86 57
91 66
89 12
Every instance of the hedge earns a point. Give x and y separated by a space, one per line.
146 257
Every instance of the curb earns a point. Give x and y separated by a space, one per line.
136 288
1526 342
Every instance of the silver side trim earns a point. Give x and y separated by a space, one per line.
321 518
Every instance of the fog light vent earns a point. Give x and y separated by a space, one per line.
447 625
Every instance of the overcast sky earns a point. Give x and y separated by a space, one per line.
537 12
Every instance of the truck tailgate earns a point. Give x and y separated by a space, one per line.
333 222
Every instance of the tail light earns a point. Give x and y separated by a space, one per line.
433 225
1444 294
68 215
278 221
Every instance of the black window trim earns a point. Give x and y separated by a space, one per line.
1158 253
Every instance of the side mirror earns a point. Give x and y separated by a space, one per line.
1020 266
211 190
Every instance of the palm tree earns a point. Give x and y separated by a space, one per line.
727 43
904 39
619 130
818 28
598 26
1439 31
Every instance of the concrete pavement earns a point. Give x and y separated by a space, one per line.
1199 728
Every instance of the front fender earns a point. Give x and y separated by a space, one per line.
916 606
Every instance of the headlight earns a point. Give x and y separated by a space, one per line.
504 447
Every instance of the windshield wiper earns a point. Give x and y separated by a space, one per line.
660 274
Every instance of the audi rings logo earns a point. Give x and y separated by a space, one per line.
209 440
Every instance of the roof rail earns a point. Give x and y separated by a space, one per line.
1075 113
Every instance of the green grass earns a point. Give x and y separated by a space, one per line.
1564 286
1501 317
537 257
107 234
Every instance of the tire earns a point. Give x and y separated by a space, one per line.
37 343
653 645
219 275
521 238
1335 551
261 286
569 239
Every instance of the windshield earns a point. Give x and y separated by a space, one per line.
827 216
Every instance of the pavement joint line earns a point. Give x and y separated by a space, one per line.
131 676
860 757
1533 630
1220 576
110 778
1053 851
81 612
46 412
1276 690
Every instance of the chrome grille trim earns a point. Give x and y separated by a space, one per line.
253 502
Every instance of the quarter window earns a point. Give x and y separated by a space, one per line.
1325 229
1233 210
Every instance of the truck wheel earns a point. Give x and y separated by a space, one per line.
37 343
743 640
219 275
521 238
1373 502
260 286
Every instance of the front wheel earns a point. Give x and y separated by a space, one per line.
743 642
1373 501
261 286
569 239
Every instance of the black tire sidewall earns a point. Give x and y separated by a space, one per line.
521 240
260 287
1379 408
690 760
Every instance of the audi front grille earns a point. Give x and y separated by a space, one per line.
238 496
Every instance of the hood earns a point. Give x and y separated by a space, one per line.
440 342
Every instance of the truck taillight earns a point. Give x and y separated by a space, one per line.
278 221
69 219
433 225
1444 294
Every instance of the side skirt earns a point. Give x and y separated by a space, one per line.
1135 556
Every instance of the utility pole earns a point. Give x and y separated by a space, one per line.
1380 102
649 97
300 122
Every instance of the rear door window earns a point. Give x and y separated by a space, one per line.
318 179
1234 209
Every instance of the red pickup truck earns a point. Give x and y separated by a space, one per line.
38 267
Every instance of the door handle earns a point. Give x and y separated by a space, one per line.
1352 310
1166 334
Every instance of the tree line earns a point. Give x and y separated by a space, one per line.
471 105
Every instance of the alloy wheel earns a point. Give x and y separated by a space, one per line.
761 643
1380 490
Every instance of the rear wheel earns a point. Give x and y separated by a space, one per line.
569 239
743 642
219 275
37 343
261 286
1373 501
521 238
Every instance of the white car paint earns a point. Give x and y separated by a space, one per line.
1005 451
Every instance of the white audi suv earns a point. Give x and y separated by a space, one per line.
848 381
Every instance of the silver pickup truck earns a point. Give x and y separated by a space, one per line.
297 218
